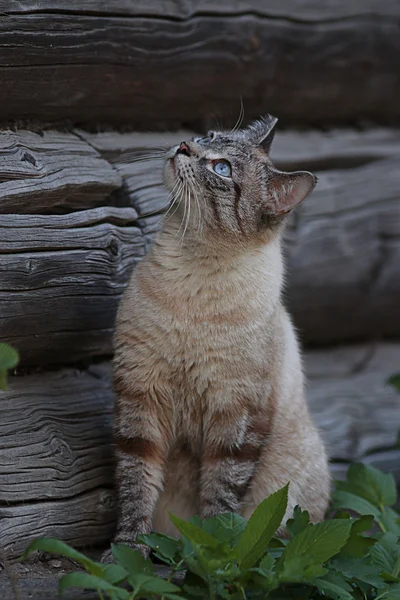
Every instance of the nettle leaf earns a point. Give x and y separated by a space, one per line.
300 520
261 528
371 484
392 593
313 546
333 590
358 569
344 499
226 527
390 520
132 560
152 585
114 573
193 533
164 546
55 546
357 544
385 554
9 359
91 582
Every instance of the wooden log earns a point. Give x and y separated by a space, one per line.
56 472
61 278
132 62
51 172
342 245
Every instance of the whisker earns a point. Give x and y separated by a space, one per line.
240 117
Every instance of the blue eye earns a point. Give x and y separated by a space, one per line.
223 168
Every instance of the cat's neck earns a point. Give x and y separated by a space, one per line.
197 270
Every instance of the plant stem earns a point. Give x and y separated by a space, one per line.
100 594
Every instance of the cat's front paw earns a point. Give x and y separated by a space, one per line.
107 557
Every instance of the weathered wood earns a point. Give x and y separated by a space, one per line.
87 520
97 61
342 244
56 472
61 278
51 172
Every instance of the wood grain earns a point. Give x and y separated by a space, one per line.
132 62
56 472
61 278
51 172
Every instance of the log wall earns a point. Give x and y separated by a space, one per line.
160 63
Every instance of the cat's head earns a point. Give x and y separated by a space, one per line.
225 183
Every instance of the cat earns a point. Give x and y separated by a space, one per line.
210 413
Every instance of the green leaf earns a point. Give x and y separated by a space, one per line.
390 520
392 593
91 582
164 547
358 545
333 590
360 569
227 527
300 520
372 485
194 534
61 548
261 527
394 381
114 573
313 546
9 359
386 554
132 560
152 584
344 499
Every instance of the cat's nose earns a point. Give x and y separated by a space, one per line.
183 149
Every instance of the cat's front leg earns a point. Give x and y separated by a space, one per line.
233 441
141 443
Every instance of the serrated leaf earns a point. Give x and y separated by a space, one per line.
357 544
132 560
164 546
390 520
55 546
226 527
392 593
114 573
300 520
313 546
332 590
374 486
360 569
193 533
261 528
152 584
385 554
91 582
344 499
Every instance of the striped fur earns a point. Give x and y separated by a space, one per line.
210 413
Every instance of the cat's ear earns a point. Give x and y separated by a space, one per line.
286 190
261 132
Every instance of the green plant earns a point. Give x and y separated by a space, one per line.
8 360
229 558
